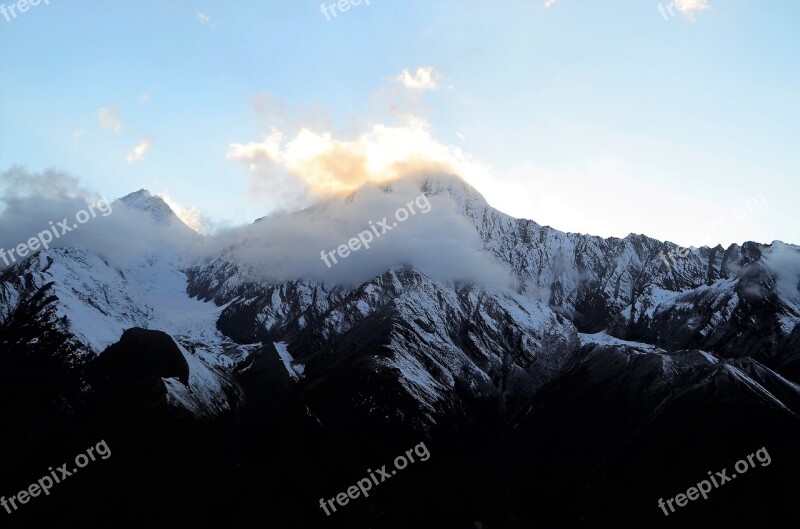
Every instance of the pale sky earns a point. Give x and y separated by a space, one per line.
601 117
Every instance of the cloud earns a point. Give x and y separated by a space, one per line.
191 216
332 184
204 19
548 3
424 79
312 165
17 183
270 180
783 261
438 240
690 7
77 133
29 202
109 118
138 152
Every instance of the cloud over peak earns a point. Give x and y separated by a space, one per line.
317 164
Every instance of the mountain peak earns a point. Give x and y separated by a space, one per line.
154 206
464 194
457 188
144 193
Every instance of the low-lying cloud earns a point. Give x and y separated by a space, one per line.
29 202
441 243
437 240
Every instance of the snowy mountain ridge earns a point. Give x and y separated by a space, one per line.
567 282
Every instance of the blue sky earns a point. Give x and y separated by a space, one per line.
602 117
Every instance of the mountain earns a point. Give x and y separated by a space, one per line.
604 371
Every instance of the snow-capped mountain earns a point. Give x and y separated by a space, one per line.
597 349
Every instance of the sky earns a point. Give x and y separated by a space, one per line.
679 120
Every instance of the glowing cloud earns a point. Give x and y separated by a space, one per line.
323 165
690 7
138 152
191 216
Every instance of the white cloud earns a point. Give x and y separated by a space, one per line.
109 118
77 133
315 164
204 19
138 152
690 7
191 216
425 78
436 240
548 3
29 201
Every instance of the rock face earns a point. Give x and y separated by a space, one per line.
609 372
140 358
621 428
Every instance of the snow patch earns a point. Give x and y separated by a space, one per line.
711 358
295 370
205 395
601 338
